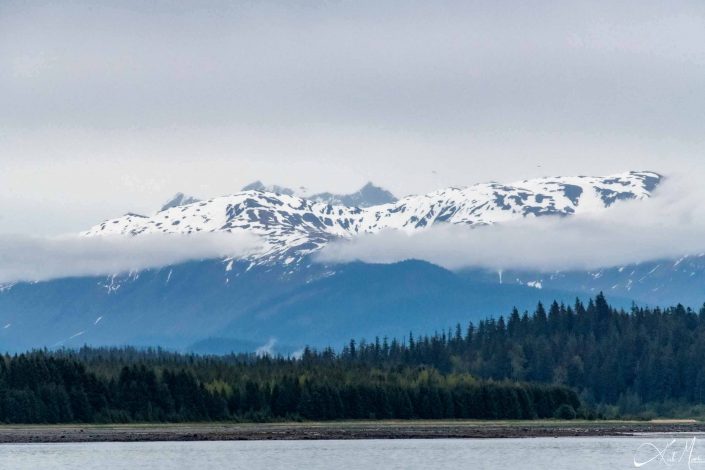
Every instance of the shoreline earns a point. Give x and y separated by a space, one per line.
347 430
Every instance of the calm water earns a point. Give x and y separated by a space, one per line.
561 453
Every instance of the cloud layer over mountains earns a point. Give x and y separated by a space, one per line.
25 258
669 225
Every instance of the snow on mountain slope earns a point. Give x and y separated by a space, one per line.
292 227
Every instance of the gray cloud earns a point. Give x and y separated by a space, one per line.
115 105
24 258
670 225
446 65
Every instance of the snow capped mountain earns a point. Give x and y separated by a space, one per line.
219 306
368 196
179 199
292 227
273 188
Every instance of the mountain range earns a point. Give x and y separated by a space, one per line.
279 298
293 227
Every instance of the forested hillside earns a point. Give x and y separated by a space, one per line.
587 361
641 360
94 387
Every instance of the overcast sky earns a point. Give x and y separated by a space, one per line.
108 107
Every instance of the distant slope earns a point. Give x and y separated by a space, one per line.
187 305
655 283
368 196
392 300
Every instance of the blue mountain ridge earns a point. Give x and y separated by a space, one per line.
200 306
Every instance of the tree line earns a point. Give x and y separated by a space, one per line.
88 387
581 360
645 360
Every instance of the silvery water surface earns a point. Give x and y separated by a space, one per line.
539 453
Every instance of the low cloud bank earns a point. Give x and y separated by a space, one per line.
24 258
669 225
